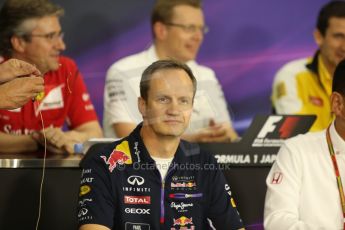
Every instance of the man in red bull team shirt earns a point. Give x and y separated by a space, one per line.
152 179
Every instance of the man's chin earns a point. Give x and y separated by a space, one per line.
188 58
174 132
54 66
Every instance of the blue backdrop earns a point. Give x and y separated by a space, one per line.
247 43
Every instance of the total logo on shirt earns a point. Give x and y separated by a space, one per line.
137 199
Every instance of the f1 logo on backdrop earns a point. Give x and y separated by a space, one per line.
275 130
269 126
135 180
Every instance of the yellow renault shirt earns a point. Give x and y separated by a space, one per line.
304 86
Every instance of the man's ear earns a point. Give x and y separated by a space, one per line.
142 106
318 37
18 44
337 104
160 31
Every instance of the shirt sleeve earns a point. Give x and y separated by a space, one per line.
96 197
283 188
217 98
222 211
121 96
222 104
285 98
81 109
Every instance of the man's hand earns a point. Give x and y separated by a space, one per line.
221 132
14 68
59 141
39 138
18 92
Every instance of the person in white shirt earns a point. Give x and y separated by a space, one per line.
304 186
178 29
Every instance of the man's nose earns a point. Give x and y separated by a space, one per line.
174 108
60 44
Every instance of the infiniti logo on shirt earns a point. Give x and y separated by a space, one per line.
132 180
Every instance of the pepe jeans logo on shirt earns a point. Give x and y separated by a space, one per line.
181 206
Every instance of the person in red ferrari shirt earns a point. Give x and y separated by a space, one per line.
30 31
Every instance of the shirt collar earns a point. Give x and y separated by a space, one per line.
337 141
325 76
140 153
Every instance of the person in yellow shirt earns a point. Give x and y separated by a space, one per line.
303 86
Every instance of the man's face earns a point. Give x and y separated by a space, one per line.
45 44
179 43
332 44
169 103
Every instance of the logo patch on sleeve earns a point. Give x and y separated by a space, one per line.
120 155
281 90
277 178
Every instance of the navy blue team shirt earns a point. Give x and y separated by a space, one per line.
121 188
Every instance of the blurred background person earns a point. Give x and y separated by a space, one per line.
30 31
304 86
178 29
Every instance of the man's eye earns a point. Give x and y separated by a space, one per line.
185 101
339 36
50 36
163 99
191 28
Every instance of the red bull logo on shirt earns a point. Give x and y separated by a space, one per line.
188 184
182 223
120 155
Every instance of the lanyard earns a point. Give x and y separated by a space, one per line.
337 174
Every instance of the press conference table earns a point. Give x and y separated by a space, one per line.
20 176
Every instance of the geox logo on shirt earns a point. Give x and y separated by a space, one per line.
139 211
52 100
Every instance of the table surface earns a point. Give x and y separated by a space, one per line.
36 160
